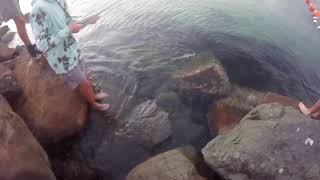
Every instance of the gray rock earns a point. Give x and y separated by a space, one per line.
148 124
8 86
177 164
4 30
271 142
8 37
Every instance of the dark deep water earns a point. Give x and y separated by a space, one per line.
267 45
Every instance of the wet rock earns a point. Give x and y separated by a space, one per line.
21 156
148 124
204 78
5 52
8 37
178 164
227 112
4 30
114 149
72 170
51 110
8 86
283 100
271 142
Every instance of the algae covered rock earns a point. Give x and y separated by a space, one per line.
271 142
21 156
51 110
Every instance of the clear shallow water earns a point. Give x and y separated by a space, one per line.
143 34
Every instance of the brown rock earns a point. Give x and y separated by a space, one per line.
228 112
8 86
21 156
8 37
282 100
177 164
5 52
51 110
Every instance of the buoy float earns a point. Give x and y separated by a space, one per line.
316 13
311 7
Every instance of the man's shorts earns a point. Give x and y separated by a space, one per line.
9 9
76 76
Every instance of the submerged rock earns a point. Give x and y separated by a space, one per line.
148 124
51 110
271 142
8 86
204 78
113 149
177 164
21 156
227 112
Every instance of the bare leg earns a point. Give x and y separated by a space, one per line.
87 91
315 108
21 28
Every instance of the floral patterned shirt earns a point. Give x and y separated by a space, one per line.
49 24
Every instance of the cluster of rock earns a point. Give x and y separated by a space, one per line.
257 135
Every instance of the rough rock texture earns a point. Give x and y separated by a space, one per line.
21 156
207 78
148 124
8 37
114 149
271 142
51 110
8 86
5 52
4 30
178 164
227 112
72 170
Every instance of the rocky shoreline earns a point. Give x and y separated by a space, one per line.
50 134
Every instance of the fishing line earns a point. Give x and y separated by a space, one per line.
84 23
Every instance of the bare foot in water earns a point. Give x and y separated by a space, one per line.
304 109
101 107
101 96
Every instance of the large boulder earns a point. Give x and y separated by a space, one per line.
21 156
51 110
177 164
271 142
8 86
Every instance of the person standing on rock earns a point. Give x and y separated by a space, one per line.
10 9
53 29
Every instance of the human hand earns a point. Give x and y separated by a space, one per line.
93 19
75 27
